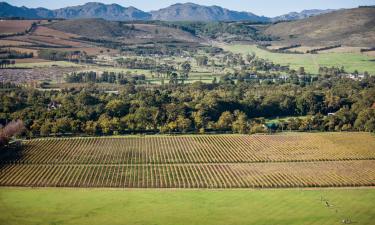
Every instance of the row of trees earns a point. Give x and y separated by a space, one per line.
105 77
4 63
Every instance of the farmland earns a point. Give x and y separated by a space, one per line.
311 62
258 161
14 26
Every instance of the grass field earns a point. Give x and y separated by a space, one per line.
20 206
311 62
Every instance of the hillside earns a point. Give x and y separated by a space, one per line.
100 28
194 12
93 28
352 27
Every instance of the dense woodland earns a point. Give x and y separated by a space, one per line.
327 104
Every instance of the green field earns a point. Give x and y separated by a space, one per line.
311 62
178 207
45 64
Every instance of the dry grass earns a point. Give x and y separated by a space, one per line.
5 42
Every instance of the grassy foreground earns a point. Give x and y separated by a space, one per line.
178 207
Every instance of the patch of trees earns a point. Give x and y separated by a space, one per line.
328 104
331 71
105 77
12 54
71 56
4 63
316 50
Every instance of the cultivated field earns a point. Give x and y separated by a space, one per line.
223 161
15 26
311 62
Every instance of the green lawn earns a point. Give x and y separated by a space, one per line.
178 207
311 62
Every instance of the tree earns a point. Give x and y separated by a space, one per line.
105 124
91 127
365 120
240 124
183 124
186 67
301 71
12 129
225 121
116 107
61 125
45 129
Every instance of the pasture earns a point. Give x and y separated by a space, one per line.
169 207
218 161
311 62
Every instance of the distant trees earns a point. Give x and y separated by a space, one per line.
5 63
185 70
104 77
201 60
71 56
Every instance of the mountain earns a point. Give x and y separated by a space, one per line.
100 10
88 10
194 12
301 15
352 27
177 12
7 10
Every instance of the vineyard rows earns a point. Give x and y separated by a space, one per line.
256 175
221 161
198 149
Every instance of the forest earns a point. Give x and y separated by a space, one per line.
328 103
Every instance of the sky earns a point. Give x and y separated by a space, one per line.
260 7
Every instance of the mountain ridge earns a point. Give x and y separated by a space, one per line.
175 12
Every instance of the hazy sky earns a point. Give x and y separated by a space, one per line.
259 7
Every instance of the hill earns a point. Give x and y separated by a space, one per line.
100 28
194 12
352 27
301 15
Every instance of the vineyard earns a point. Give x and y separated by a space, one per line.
220 161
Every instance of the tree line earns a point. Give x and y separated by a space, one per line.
327 104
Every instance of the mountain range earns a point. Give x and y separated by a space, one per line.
176 12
